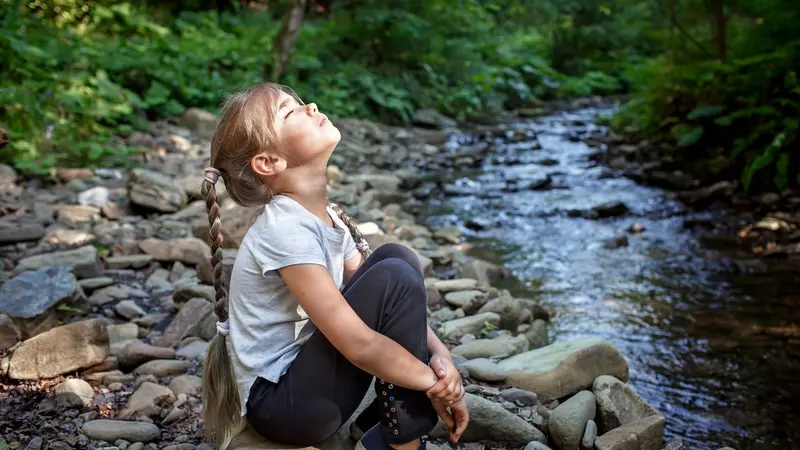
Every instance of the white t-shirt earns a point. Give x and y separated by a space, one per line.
267 325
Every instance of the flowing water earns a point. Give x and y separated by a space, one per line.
713 348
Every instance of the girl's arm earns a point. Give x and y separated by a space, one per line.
371 351
351 265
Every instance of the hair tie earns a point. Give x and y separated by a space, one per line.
223 328
212 174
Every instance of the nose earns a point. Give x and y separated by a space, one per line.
311 109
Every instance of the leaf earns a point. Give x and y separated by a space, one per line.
782 168
761 161
157 94
686 135
706 111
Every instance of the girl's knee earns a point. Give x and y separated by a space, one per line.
401 252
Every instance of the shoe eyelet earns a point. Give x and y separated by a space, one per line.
383 392
391 386
387 414
385 404
383 382
391 399
391 424
394 410
394 420
396 432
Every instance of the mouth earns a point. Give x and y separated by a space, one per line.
324 120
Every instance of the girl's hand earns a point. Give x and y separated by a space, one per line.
449 388
456 416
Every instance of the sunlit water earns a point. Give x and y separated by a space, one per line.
680 313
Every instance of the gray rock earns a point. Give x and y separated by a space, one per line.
191 314
74 392
35 444
676 444
96 196
32 293
186 384
135 353
119 333
174 415
500 347
430 118
459 284
618 403
508 308
381 182
129 309
448 235
108 294
537 334
21 233
196 349
490 421
564 368
469 301
589 435
159 280
568 421
63 349
484 370
537 446
155 191
444 314
186 250
236 222
111 430
643 434
73 216
163 367
146 401
471 324
482 271
137 446
520 397
9 333
7 173
199 121
186 293
128 261
83 261
91 284
610 209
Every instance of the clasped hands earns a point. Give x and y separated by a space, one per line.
447 395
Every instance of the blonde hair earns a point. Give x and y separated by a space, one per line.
245 129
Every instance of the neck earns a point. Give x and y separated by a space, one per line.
307 186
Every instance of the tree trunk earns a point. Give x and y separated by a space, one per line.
718 9
284 42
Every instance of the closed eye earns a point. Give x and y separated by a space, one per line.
289 113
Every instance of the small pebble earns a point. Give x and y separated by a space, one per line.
589 435
122 444
509 406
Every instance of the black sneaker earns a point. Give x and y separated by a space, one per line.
372 440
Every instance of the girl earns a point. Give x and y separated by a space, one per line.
312 316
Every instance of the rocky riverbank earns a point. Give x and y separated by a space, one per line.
106 306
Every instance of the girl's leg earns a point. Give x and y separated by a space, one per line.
322 389
386 251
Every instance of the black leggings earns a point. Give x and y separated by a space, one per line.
322 389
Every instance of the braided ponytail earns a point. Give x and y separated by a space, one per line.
221 402
361 242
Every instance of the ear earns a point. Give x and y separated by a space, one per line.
267 164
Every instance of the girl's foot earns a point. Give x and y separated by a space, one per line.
372 440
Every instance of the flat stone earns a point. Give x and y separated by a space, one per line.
75 215
484 370
194 350
568 421
129 309
118 333
110 430
21 233
32 293
58 351
520 397
618 403
186 250
471 324
68 237
643 434
108 294
236 220
155 191
163 367
175 415
186 293
508 308
135 353
564 368
83 261
128 261
491 422
190 314
469 301
502 346
74 392
448 235
186 384
589 435
91 284
146 401
459 284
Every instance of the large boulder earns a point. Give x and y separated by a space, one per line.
488 421
34 292
643 434
508 308
471 324
191 250
83 261
235 221
58 351
199 121
618 403
564 368
147 401
191 314
155 191
568 420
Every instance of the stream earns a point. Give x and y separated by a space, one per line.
704 340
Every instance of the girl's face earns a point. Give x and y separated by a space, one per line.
306 134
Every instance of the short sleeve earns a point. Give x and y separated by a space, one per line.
289 242
350 249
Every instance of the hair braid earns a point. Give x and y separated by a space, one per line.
214 222
361 242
